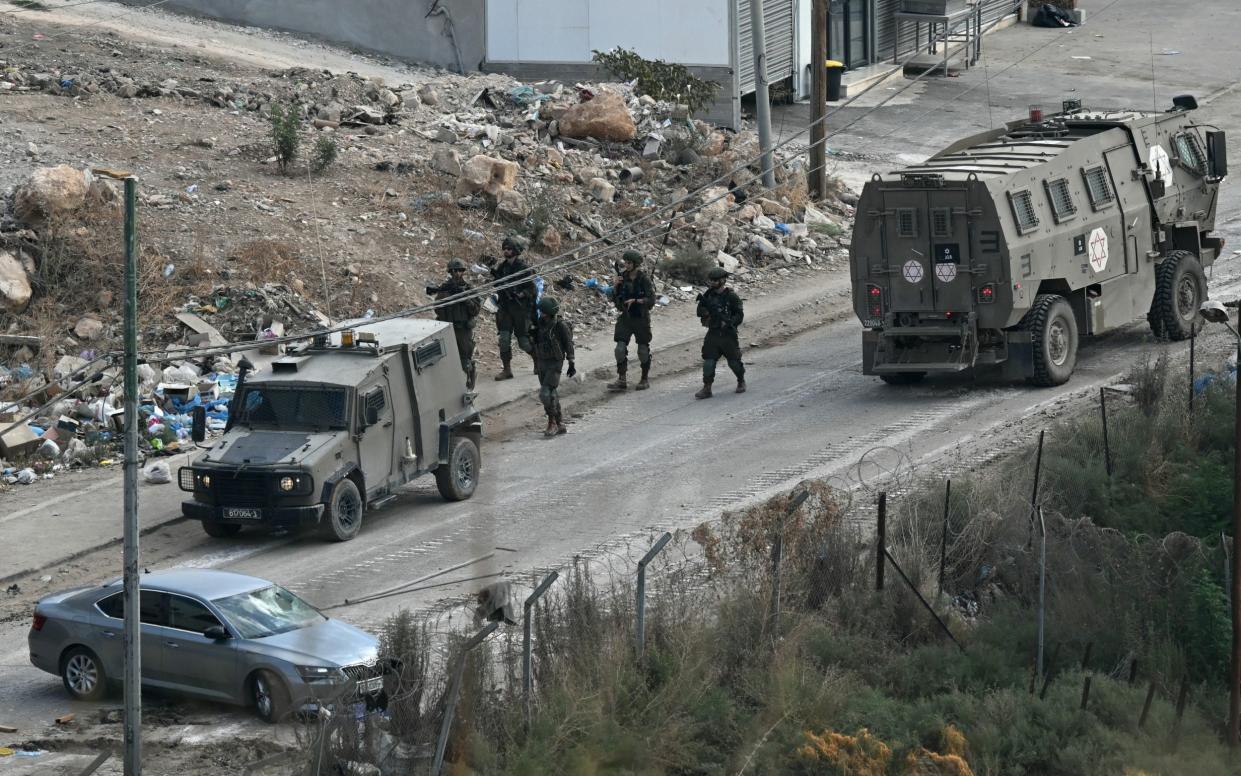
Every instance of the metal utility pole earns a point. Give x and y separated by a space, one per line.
818 100
1234 694
132 633
761 98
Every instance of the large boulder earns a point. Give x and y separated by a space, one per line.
488 175
50 192
603 117
15 288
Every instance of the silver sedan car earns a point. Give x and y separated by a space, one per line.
211 634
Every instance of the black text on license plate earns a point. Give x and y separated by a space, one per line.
237 513
368 686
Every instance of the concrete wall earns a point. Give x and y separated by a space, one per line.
397 28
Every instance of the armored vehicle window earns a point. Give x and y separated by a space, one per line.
428 354
906 222
1023 211
1097 187
941 222
375 400
1061 200
1189 153
271 406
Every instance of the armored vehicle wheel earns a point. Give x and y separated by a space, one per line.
343 517
1180 289
220 530
1053 338
458 478
903 378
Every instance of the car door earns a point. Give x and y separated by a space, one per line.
375 446
108 631
196 663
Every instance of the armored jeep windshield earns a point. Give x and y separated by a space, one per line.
294 407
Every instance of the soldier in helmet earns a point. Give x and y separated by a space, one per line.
719 309
515 304
553 345
460 314
634 296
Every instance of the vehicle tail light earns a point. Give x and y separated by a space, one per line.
39 619
986 293
874 301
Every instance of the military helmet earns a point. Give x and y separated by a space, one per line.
549 305
514 243
456 265
717 273
633 257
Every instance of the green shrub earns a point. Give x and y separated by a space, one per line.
325 154
286 133
662 80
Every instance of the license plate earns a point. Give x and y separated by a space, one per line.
368 686
237 513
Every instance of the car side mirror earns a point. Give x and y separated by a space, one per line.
216 633
198 424
1217 154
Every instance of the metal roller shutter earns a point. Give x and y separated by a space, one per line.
994 10
778 18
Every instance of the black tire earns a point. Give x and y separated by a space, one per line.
1053 339
903 378
458 478
268 696
342 518
220 530
83 675
1180 289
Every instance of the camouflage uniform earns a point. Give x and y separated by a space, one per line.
461 315
553 345
721 312
634 321
514 306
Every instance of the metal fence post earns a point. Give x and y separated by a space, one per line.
1107 447
881 540
527 678
1193 334
640 628
454 694
943 535
1042 588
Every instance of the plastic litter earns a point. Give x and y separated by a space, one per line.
158 473
49 449
26 477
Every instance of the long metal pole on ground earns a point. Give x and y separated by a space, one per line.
133 641
818 100
762 99
881 540
1042 587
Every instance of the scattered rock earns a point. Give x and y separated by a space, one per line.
815 217
728 262
715 237
447 160
550 240
605 117
88 327
512 205
428 95
32 151
489 175
15 288
774 209
224 186
390 99
763 246
49 192
718 199
445 135
601 190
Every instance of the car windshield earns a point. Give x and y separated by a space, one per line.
267 612
270 406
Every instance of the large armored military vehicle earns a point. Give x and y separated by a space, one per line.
1005 247
335 427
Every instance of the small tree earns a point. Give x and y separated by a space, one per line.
286 134
325 154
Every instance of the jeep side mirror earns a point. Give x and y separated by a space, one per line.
198 423
216 633
1217 154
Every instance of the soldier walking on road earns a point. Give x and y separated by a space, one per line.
460 314
515 305
553 345
634 296
720 310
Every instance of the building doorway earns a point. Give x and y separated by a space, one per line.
848 36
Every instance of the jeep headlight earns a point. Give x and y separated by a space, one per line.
206 480
287 484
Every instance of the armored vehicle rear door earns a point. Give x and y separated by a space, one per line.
927 241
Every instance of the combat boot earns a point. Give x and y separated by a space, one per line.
470 374
550 431
645 382
740 385
506 373
704 392
560 427
621 384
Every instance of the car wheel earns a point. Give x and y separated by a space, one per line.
1053 339
1180 288
343 518
458 478
220 530
268 696
83 675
